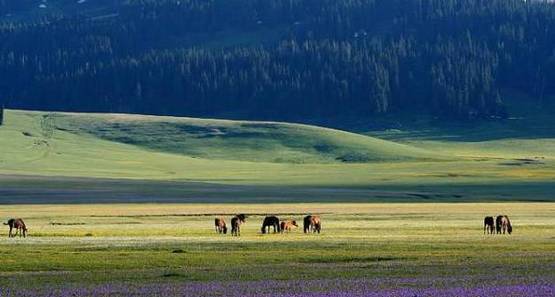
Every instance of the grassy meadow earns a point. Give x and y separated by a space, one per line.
123 205
137 247
86 151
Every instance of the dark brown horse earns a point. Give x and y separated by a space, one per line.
288 225
221 226
506 225
19 227
236 222
488 225
312 223
271 221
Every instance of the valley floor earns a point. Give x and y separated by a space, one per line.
399 249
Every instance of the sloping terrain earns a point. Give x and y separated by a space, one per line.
135 146
236 140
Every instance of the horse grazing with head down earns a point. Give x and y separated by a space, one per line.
488 225
506 225
312 223
498 224
221 226
271 221
19 227
288 225
236 222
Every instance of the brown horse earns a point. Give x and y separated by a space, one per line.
506 225
488 225
221 226
236 222
312 223
271 221
288 225
498 224
19 227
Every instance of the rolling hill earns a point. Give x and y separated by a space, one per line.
122 157
110 145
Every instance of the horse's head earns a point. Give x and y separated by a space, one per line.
225 229
242 217
294 223
263 230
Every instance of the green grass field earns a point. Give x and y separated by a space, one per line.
130 244
271 157
123 205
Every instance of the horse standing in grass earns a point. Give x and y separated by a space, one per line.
312 223
488 225
236 222
19 227
221 226
288 225
506 225
271 221
498 224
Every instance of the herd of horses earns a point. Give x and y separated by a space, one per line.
311 223
501 224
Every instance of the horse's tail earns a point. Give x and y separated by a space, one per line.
5 223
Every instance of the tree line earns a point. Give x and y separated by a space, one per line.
283 59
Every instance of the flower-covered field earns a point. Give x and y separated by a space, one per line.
309 288
365 250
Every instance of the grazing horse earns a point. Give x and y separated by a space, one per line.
498 224
236 222
19 226
288 225
312 223
488 225
221 227
271 221
506 225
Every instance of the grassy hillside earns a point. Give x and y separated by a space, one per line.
235 140
257 153
132 146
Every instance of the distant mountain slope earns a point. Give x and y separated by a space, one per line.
277 59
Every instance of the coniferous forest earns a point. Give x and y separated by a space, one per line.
277 59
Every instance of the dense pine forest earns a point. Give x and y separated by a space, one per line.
277 59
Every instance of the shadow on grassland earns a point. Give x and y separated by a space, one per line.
69 190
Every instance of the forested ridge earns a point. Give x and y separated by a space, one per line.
277 59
